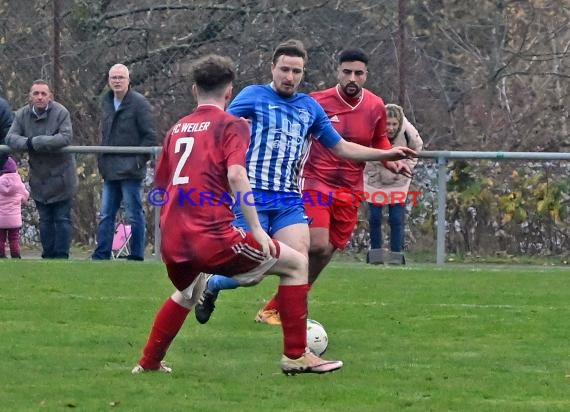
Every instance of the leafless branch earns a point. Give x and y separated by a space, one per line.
219 7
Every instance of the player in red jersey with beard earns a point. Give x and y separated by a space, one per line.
202 162
332 187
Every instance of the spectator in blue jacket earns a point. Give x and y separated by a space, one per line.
126 121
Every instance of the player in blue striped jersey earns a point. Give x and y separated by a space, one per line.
279 129
282 123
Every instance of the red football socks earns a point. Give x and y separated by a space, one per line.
292 301
272 304
168 322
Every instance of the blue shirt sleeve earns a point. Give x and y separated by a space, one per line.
322 128
243 104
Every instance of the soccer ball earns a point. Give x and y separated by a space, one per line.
317 338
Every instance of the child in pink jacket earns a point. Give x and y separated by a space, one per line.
12 194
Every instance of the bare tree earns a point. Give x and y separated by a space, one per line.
493 77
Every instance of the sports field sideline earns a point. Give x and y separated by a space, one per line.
416 338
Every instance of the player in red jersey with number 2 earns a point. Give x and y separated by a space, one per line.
201 164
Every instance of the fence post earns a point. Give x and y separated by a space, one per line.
441 206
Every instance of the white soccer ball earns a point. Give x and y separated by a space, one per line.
317 338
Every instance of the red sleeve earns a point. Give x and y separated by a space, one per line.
380 139
236 142
162 177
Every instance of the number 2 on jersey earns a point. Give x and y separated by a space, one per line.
188 143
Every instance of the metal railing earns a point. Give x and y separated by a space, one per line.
154 151
441 157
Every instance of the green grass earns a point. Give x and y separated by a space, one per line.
419 338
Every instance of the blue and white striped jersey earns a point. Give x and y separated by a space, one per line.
280 130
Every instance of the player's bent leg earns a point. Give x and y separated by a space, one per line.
191 295
216 283
331 230
297 237
320 252
219 282
168 321
288 263
170 318
206 304
292 267
182 300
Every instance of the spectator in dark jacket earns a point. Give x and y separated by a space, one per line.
6 117
42 127
126 121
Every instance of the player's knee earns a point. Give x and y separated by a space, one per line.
320 242
303 249
292 264
182 298
318 248
300 265
302 262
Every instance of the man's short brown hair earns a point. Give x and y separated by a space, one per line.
40 81
290 47
213 73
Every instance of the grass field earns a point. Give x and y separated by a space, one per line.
419 338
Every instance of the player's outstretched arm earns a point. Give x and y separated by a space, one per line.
353 151
239 183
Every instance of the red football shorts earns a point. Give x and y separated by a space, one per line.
236 252
338 217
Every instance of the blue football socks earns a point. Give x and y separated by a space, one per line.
220 282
